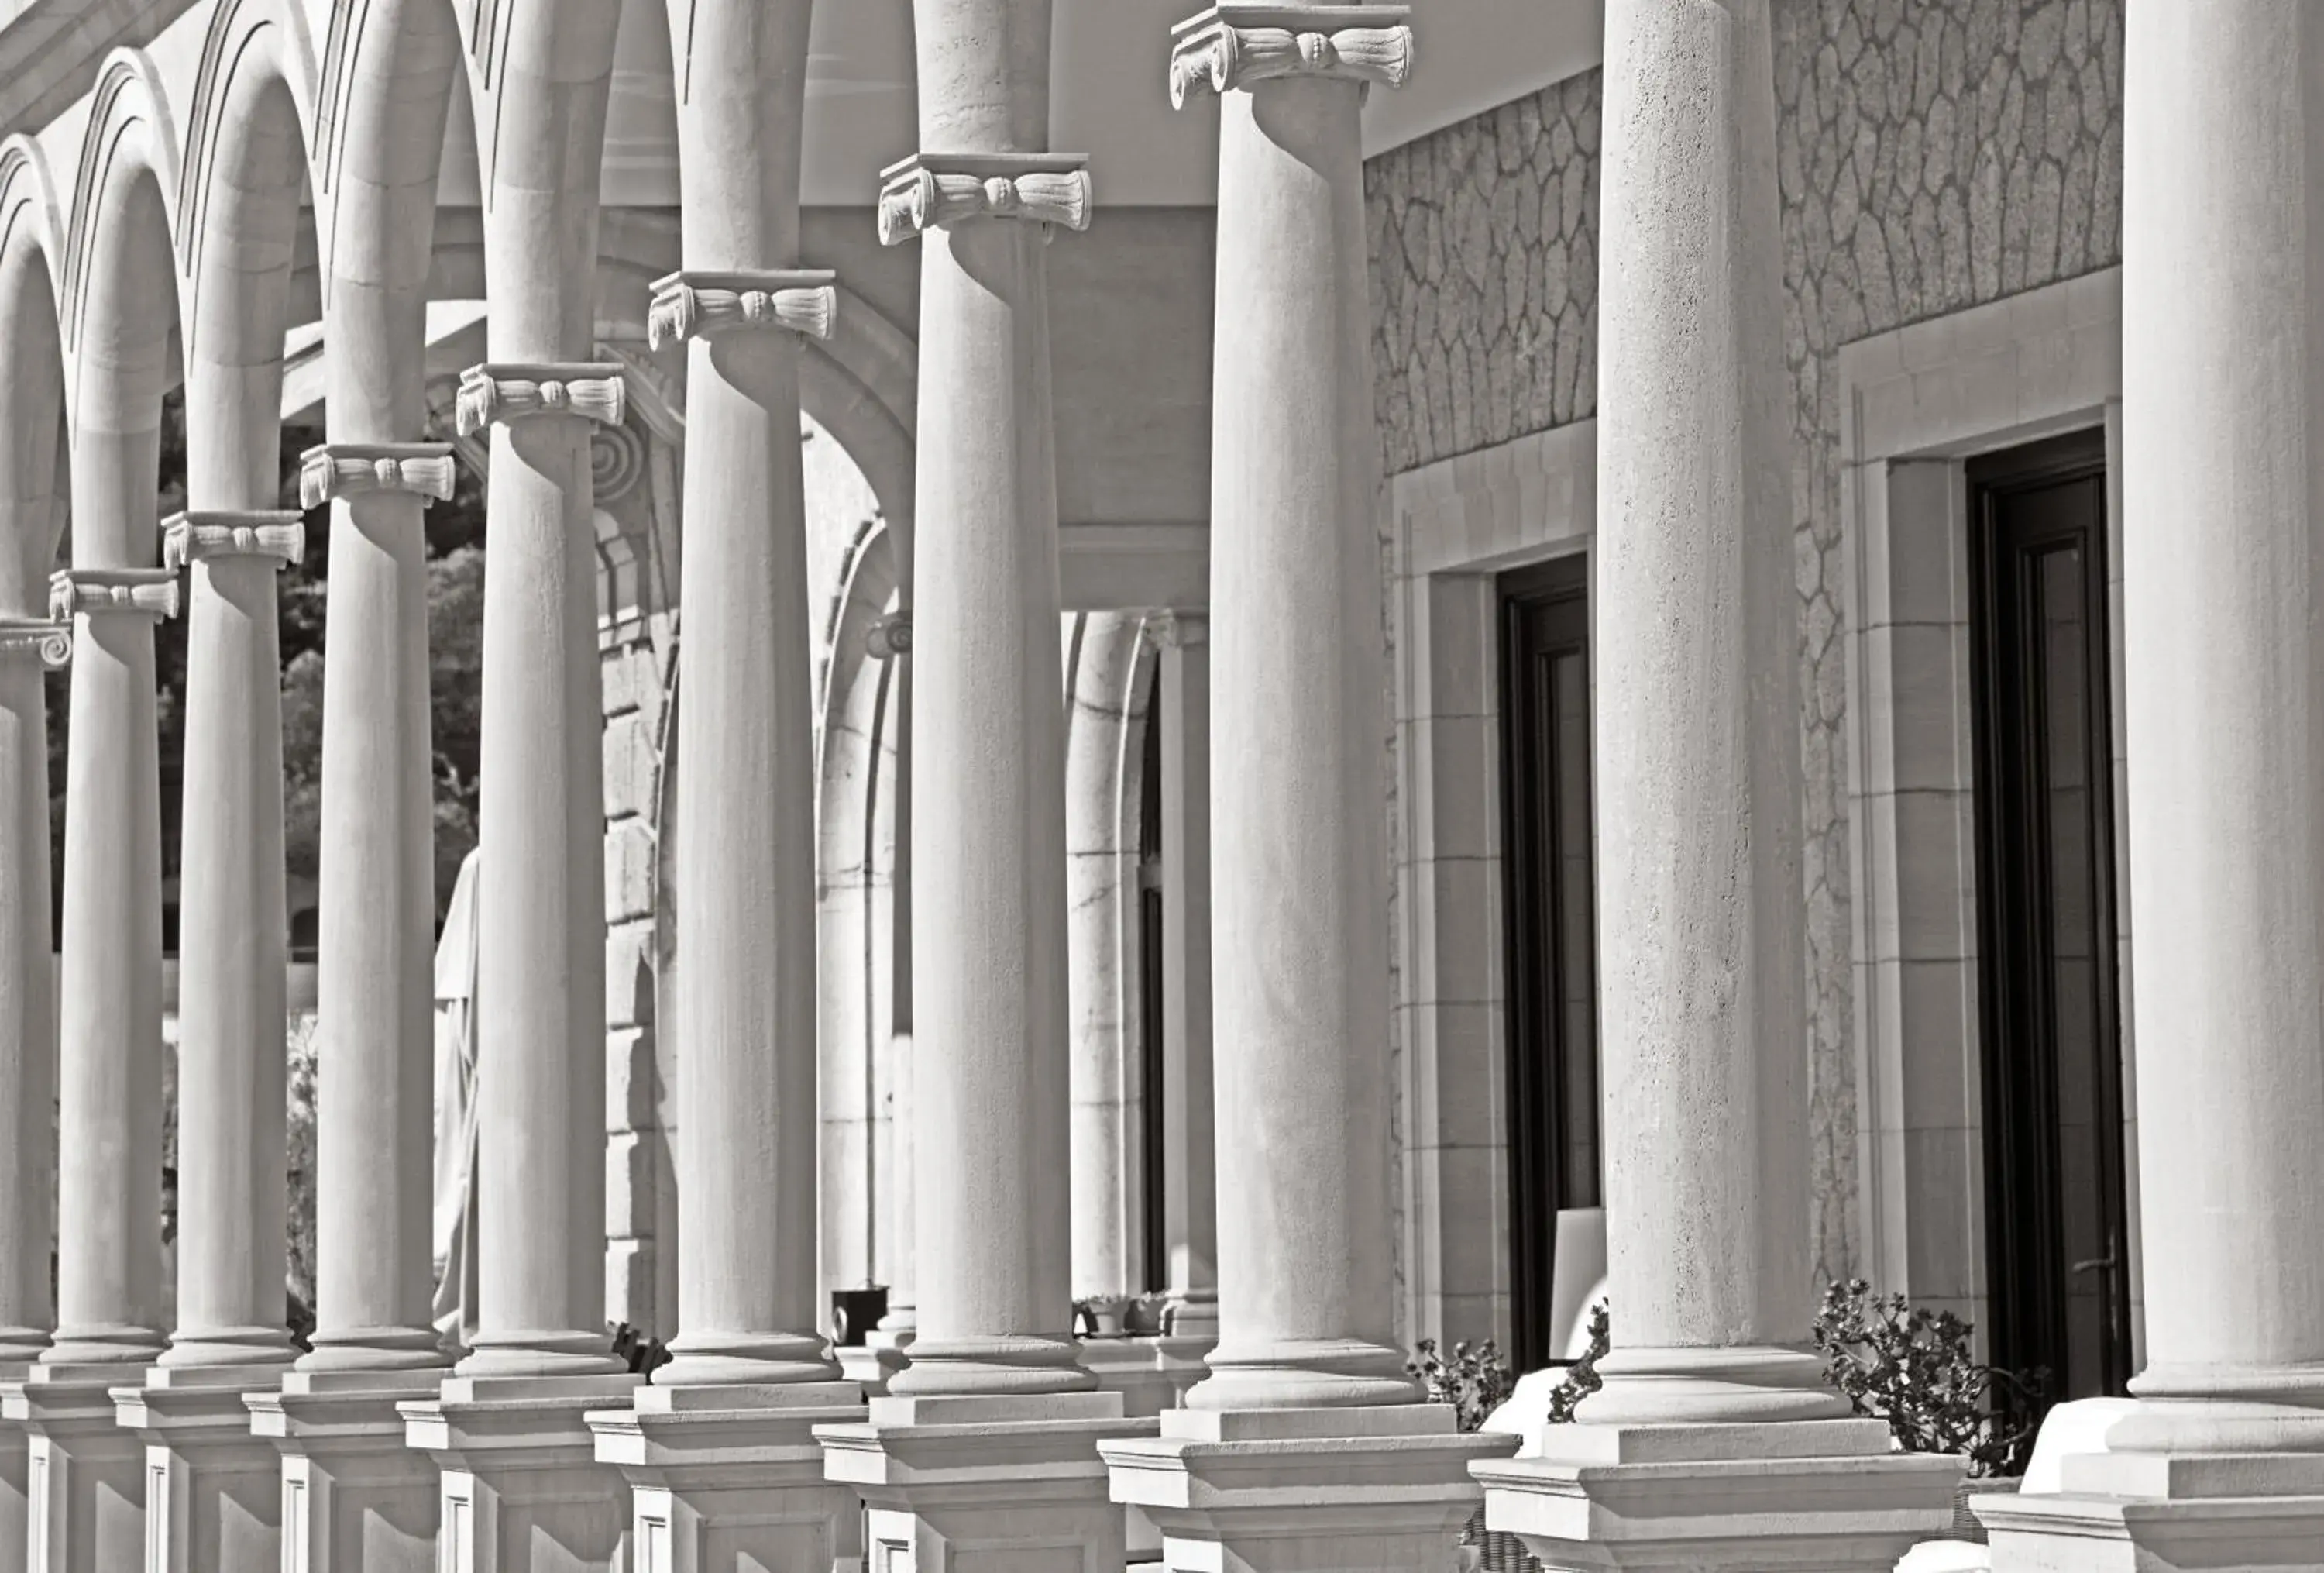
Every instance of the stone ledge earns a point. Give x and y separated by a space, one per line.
2094 1535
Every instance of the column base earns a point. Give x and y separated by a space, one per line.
355 1499
520 1488
729 1479
15 1458
1151 1374
871 1365
2148 1513
1002 1484
1305 1491
83 1475
1823 1495
212 1492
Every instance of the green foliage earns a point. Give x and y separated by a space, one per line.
1915 1368
1475 1380
1581 1378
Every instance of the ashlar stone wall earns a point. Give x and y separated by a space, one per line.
1935 154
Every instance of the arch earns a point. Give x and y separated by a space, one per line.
130 133
247 40
32 384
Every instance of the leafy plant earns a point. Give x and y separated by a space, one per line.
1916 1369
1581 1378
638 1349
1474 1381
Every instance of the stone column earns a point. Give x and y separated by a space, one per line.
508 1429
212 1492
1701 902
1181 708
86 1479
719 1451
1299 897
993 1365
2223 412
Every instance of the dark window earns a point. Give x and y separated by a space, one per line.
2050 1047
1552 930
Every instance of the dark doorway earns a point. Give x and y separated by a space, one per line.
1552 905
2051 1053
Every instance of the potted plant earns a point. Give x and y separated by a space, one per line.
1916 1369
1142 1317
1100 1316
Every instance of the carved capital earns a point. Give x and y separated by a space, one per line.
891 637
191 538
1236 46
99 592
688 304
1178 630
592 390
930 191
50 641
356 469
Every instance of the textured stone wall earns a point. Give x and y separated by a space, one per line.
1933 154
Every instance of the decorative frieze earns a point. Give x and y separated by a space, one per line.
1237 46
334 470
99 592
689 304
891 637
190 538
50 641
930 191
489 394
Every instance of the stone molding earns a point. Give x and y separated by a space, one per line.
495 393
687 305
50 641
274 534
332 470
891 637
1178 630
97 592
932 191
1239 46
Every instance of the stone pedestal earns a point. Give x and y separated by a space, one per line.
212 1492
1827 1494
2132 1513
1317 1490
521 1490
15 1456
83 1475
1152 1374
731 1479
968 1485
355 1498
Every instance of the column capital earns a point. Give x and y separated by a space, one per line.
332 470
494 394
1178 630
1237 46
275 534
95 592
687 305
51 639
932 191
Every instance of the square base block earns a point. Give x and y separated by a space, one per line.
730 1479
83 1475
355 1499
985 1484
1305 1491
16 1459
1826 1496
212 1492
2129 1512
520 1489
1151 1374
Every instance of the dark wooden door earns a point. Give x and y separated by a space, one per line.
1552 930
2051 1053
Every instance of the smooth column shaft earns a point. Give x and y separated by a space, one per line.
989 1078
28 1024
232 947
1702 914
374 1113
1182 708
1299 941
2223 587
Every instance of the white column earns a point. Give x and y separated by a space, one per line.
1181 708
2223 414
29 649
745 855
989 1084
540 887
233 948
375 940
1299 900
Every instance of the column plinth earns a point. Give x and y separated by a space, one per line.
2222 1462
83 1475
355 1498
540 892
518 1481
